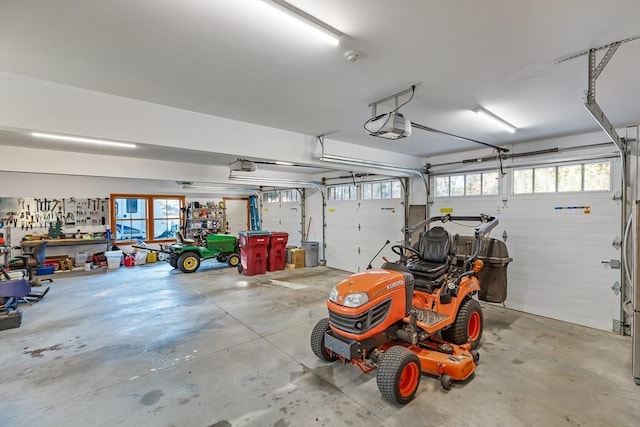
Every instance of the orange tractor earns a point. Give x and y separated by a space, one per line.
416 315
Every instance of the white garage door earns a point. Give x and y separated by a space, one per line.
558 241
357 229
283 217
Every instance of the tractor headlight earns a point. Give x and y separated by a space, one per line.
333 295
355 300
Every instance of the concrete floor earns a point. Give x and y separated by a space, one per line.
152 346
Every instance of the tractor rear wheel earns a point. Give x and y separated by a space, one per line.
467 326
189 262
317 341
399 374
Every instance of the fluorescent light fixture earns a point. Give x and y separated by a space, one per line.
83 140
303 20
264 180
494 119
284 163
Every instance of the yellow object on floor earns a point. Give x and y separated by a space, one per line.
152 257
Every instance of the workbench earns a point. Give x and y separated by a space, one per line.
28 245
63 242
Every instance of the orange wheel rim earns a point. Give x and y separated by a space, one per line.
473 329
409 379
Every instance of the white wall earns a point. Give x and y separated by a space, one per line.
30 104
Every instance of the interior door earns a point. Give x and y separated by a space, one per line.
237 214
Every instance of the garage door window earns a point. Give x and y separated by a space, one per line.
576 177
272 197
284 196
379 190
475 184
342 192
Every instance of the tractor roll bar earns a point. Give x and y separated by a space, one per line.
488 223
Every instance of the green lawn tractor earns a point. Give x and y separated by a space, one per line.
186 254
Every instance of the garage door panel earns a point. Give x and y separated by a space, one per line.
283 217
356 230
557 268
341 250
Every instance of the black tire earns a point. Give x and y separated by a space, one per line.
173 261
445 381
221 258
189 262
399 374
467 326
476 356
240 268
317 341
233 260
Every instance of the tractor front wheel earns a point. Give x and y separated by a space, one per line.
399 374
189 262
317 341
467 326
233 260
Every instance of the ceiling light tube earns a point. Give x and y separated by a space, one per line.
496 120
83 140
309 22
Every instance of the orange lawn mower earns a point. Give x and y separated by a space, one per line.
416 315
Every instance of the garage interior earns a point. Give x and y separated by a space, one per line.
231 108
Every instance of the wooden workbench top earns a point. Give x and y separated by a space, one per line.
64 242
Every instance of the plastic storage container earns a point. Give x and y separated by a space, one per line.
81 258
113 259
44 270
277 255
310 253
253 252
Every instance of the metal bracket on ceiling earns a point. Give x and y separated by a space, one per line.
395 97
594 71
591 105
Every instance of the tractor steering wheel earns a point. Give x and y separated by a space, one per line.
400 251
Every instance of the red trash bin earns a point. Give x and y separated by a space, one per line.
277 255
253 252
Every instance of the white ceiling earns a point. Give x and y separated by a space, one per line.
223 58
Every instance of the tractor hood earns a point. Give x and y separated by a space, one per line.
361 288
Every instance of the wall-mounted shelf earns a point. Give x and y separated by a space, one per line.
206 220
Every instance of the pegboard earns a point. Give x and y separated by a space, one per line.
33 213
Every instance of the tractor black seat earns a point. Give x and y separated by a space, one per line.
434 248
